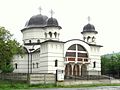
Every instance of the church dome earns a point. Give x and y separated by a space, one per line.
89 28
37 21
52 22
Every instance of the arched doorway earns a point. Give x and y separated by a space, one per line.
68 70
83 70
76 70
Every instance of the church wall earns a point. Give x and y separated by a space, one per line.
22 63
55 52
34 35
95 58
44 58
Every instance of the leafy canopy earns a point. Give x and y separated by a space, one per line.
8 48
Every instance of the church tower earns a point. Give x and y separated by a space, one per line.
52 29
40 28
89 33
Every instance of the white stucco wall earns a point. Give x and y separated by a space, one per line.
22 63
51 51
33 34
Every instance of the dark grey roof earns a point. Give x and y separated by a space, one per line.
89 28
52 22
37 21
41 21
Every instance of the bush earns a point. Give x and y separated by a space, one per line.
7 69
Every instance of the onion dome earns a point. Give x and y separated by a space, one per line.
37 21
89 28
52 22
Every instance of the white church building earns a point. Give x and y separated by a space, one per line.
45 53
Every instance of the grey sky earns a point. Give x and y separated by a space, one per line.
71 15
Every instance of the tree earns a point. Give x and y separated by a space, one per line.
110 64
8 48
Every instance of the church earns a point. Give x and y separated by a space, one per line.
45 53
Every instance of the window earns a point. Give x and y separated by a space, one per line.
56 63
33 65
29 41
76 52
94 64
37 65
38 41
82 55
50 33
16 66
45 35
84 38
73 47
93 39
55 34
80 48
88 38
71 54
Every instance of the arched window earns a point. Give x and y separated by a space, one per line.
16 66
84 38
88 38
55 34
45 35
37 65
94 64
38 41
56 63
29 41
93 39
50 33
33 65
76 52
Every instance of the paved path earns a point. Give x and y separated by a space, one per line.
91 88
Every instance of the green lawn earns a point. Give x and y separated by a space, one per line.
10 85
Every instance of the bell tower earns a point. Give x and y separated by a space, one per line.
52 29
89 33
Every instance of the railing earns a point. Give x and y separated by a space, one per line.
77 60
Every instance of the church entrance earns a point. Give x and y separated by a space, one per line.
76 69
68 70
83 70
76 55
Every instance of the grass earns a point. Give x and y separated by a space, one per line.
10 85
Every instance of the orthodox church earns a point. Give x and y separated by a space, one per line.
45 53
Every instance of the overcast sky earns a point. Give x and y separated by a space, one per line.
71 15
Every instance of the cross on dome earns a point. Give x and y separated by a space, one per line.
40 9
88 19
52 12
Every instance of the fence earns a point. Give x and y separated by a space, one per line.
34 78
37 78
85 75
14 76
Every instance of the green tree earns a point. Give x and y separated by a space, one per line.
110 64
8 48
